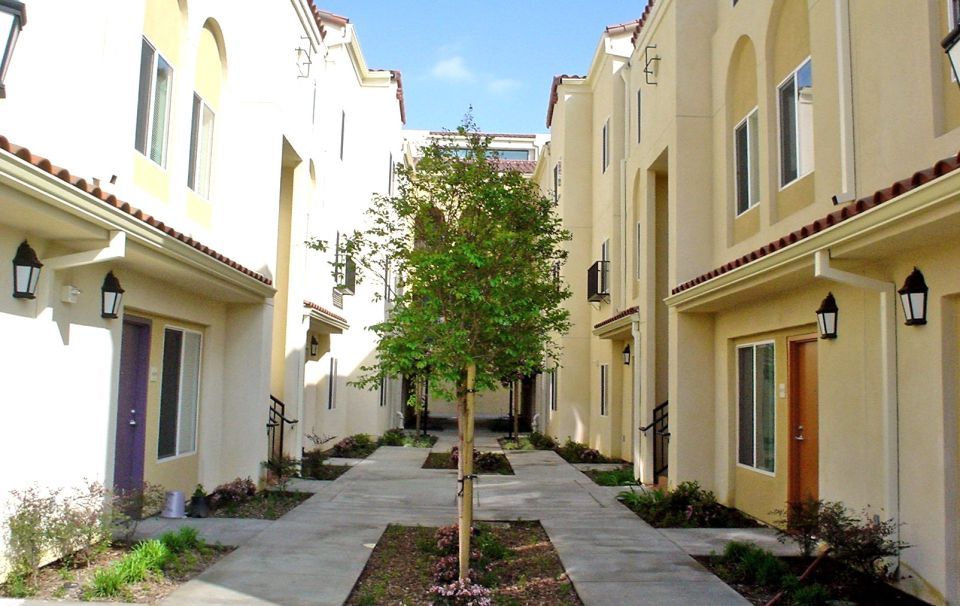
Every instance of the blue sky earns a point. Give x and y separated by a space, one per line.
497 55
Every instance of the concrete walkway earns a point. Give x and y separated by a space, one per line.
314 554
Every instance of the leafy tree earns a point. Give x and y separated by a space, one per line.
474 248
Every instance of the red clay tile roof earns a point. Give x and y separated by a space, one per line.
510 135
622 314
641 21
338 20
324 311
109 199
523 166
947 165
553 94
620 28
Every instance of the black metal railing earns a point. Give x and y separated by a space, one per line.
276 424
598 282
661 440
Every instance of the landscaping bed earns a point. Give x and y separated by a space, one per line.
758 576
514 562
398 437
534 441
264 505
686 506
483 462
612 477
142 573
314 466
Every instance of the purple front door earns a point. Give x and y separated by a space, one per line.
132 404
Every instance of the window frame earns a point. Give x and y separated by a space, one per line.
148 111
557 181
792 76
343 131
605 266
604 390
638 256
753 140
552 385
605 146
639 114
754 345
196 141
332 384
196 418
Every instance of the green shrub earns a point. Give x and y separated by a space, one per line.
577 452
813 594
17 586
357 446
686 506
107 583
392 437
282 468
398 437
749 564
490 547
613 477
234 492
154 552
181 541
542 441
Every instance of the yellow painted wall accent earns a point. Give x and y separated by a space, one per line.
742 81
279 354
209 70
791 39
151 177
163 26
951 93
795 196
177 473
746 224
199 211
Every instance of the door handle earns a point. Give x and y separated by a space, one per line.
799 436
132 422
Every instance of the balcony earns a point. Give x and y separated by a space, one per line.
598 282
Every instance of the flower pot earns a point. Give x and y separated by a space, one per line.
199 507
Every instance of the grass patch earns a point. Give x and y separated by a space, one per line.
612 477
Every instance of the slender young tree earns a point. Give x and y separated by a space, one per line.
474 247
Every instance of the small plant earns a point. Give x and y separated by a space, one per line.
542 441
186 539
613 477
392 437
357 446
234 492
577 452
107 583
282 469
461 593
686 506
447 538
750 564
398 437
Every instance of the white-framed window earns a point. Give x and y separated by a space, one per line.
638 256
605 266
552 384
756 406
201 148
332 385
604 389
557 181
747 162
795 106
605 146
179 393
343 131
153 104
639 113
383 392
390 176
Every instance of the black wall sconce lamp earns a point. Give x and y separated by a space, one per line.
112 294
26 272
626 355
827 317
913 296
314 347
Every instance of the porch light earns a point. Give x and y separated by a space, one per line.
626 355
913 296
314 347
827 317
26 272
13 16
112 295
952 48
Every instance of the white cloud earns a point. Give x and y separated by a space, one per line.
502 86
453 69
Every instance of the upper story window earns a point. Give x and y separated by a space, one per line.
604 389
639 112
605 146
557 181
745 137
201 147
343 131
153 104
795 101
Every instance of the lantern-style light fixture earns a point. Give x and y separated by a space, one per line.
314 346
951 44
26 272
913 296
112 295
827 317
13 16
626 355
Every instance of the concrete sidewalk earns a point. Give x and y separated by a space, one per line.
314 554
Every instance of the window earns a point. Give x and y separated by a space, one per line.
552 388
390 176
605 146
639 113
795 100
556 273
953 14
387 286
638 259
605 266
747 157
343 130
153 104
604 389
512 154
179 393
383 392
755 405
557 181
332 385
201 148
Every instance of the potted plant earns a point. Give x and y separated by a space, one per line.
199 508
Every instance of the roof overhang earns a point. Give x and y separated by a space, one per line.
324 321
618 326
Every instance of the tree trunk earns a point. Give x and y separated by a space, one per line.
465 471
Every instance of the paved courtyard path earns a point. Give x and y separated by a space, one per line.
314 554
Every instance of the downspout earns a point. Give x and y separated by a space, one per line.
848 166
888 377
638 464
624 244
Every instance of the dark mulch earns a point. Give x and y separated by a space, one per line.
842 583
399 570
59 581
314 466
266 505
486 463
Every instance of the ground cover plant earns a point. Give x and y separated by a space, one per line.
512 563
577 452
483 462
398 437
357 446
534 441
612 477
314 466
686 506
240 498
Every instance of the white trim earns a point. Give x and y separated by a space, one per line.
193 156
736 191
151 100
796 127
762 472
753 345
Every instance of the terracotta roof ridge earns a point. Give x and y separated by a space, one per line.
482 134
111 200
622 27
841 214
553 93
641 21
623 314
324 311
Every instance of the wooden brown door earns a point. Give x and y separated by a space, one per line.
804 482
